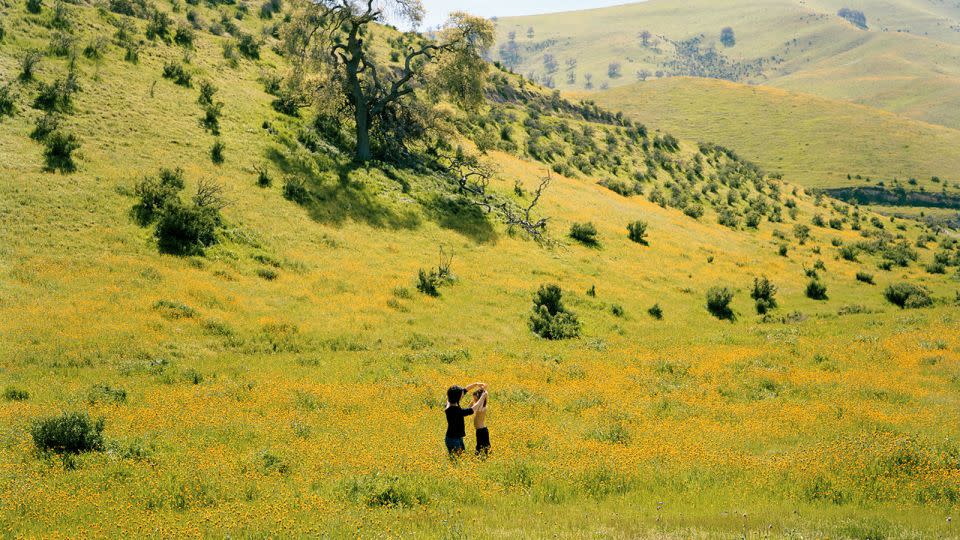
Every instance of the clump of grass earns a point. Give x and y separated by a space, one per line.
69 433
864 277
550 318
101 393
295 190
377 490
12 393
174 310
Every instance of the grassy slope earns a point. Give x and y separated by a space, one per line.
811 140
915 74
722 418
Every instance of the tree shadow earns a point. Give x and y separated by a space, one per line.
460 215
334 196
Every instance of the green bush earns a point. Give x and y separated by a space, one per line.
69 433
802 233
59 150
764 293
637 232
211 118
718 302
617 310
8 105
207 91
783 249
849 253
155 193
248 46
816 290
550 319
585 233
656 312
96 49
184 36
694 210
429 282
34 6
105 393
295 189
864 277
216 152
178 74
186 229
158 25
28 65
908 296
58 95
61 16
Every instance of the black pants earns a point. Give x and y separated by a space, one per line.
483 441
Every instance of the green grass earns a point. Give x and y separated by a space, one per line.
289 383
813 141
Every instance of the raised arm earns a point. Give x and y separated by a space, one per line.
471 386
480 403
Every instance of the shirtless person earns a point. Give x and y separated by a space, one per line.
480 398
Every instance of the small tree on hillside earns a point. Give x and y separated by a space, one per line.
727 37
613 70
645 36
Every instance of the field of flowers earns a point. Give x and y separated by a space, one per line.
291 382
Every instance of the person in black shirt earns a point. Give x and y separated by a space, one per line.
456 424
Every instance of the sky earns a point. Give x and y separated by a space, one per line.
437 10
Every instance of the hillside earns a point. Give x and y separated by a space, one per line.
287 378
813 141
906 61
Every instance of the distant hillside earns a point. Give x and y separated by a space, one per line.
814 141
907 60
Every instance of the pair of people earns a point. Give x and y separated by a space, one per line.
456 419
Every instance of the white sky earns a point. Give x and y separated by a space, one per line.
437 10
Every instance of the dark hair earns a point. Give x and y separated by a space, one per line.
454 393
478 393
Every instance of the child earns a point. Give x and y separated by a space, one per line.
479 421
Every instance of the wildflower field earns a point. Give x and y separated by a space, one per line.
290 382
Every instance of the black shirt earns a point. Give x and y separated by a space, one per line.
455 421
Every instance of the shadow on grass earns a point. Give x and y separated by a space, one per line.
334 192
336 196
460 215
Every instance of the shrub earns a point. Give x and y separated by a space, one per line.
34 6
294 189
656 312
550 319
230 54
12 393
802 233
783 249
694 210
268 8
61 16
248 46
207 91
178 74
263 177
617 310
728 218
3 31
187 229
155 193
764 293
28 65
97 48
816 290
59 151
69 433
637 232
753 220
184 36
908 296
211 118
936 268
585 233
428 282
819 221
216 152
158 25
58 95
864 277
718 302
287 103
8 105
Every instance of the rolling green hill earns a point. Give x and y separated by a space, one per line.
814 141
907 61
286 378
